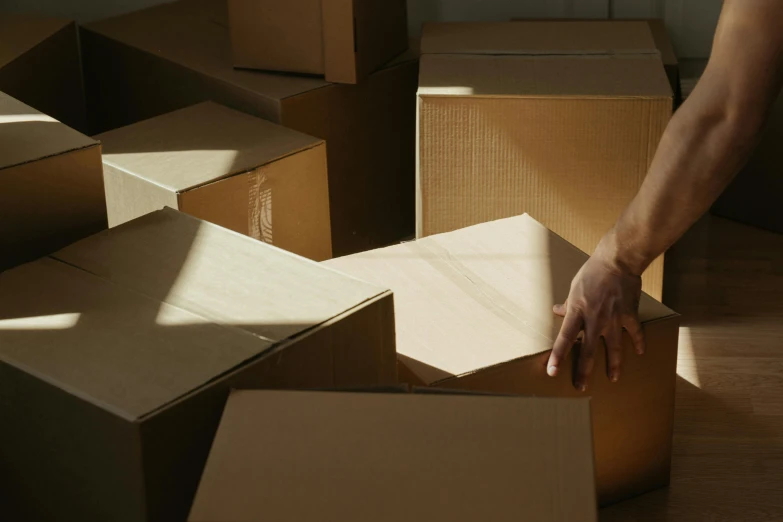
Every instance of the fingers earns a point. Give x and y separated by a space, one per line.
614 352
634 329
569 332
560 309
586 360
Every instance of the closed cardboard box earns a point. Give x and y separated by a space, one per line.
40 65
342 457
538 117
474 312
226 167
174 55
343 40
117 354
51 186
660 36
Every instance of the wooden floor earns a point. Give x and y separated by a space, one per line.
727 282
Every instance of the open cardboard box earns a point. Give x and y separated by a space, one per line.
342 40
474 312
342 457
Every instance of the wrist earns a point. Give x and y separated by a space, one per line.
621 255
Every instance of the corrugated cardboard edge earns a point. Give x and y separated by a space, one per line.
280 345
95 143
339 29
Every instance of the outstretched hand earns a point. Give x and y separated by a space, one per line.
604 300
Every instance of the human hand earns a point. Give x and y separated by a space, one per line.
603 300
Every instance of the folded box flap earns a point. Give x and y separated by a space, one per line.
217 274
20 32
538 38
479 296
292 456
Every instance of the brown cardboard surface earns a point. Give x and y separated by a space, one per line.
633 76
443 457
566 138
474 312
28 135
137 334
51 188
345 40
167 57
227 167
552 37
40 65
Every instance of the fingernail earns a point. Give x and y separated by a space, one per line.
615 377
640 352
552 371
583 388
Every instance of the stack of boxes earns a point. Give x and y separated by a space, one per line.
279 132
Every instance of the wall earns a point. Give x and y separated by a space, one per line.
691 22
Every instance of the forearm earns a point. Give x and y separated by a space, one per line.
701 150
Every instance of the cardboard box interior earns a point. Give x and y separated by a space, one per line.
226 167
40 65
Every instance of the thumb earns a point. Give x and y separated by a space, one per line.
560 309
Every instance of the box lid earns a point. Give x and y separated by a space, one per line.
479 296
19 33
622 76
541 58
28 135
140 315
195 35
293 456
190 147
555 37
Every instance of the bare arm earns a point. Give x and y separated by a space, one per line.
704 146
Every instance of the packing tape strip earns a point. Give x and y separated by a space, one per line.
260 208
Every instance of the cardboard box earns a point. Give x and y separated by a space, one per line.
538 117
51 187
360 457
170 56
345 41
40 66
226 167
753 198
118 352
474 312
660 36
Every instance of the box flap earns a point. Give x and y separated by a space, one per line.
21 32
111 346
198 145
28 135
223 276
587 76
137 316
195 34
294 456
556 37
479 296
